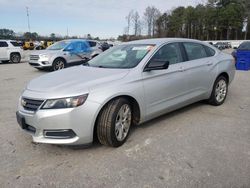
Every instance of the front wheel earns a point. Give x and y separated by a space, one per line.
58 64
15 58
113 123
219 93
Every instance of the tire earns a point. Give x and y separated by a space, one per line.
112 129
58 64
219 93
15 58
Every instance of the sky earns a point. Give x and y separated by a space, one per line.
100 18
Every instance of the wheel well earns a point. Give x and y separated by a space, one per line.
135 111
15 53
60 58
224 74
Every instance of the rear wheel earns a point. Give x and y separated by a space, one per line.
15 58
58 64
113 123
219 93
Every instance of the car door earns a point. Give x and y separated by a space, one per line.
3 50
75 52
165 89
199 66
86 51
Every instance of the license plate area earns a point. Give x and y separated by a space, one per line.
21 121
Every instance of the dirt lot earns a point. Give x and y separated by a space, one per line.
198 146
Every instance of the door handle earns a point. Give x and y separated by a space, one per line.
209 63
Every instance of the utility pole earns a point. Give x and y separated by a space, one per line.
67 32
28 17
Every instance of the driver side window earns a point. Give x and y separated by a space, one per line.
169 52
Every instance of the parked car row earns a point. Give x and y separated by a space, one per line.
52 55
223 45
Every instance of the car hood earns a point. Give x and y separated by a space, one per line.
75 80
43 52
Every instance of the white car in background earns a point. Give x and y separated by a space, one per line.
10 50
64 53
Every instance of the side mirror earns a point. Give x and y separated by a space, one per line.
156 64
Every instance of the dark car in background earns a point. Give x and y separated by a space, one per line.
223 45
220 45
105 46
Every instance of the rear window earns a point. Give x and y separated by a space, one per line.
92 44
195 51
210 51
244 46
3 44
16 44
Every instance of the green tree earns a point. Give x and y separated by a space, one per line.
176 22
53 36
7 34
162 24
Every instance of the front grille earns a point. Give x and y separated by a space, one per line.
31 104
34 57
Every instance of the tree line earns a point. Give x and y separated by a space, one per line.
34 36
11 35
214 20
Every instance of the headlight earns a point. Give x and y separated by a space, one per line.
44 56
70 102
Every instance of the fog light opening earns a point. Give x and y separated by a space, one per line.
59 134
45 62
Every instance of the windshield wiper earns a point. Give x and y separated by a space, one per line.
99 66
85 64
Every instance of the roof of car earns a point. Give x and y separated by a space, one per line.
245 42
75 40
159 41
81 40
7 40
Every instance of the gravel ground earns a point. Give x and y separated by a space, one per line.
197 146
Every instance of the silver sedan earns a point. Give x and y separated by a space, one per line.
126 85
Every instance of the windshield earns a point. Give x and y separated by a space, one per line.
122 56
16 44
244 46
58 45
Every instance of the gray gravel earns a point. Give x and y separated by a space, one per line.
197 146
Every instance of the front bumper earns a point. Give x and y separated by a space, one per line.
79 120
41 63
